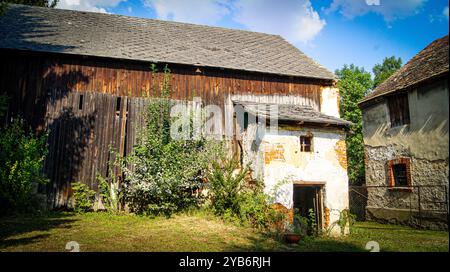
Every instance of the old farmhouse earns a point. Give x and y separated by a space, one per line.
405 127
82 76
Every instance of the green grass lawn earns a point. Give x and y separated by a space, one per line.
195 232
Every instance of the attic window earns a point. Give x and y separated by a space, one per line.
398 109
305 143
400 173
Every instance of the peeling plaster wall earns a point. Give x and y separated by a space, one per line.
277 159
425 140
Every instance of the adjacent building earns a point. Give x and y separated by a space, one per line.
405 127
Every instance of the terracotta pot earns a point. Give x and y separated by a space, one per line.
292 238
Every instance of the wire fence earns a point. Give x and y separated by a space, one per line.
421 206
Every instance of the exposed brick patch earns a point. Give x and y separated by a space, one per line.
341 152
274 152
326 216
289 213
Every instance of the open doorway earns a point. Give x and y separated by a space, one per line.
307 199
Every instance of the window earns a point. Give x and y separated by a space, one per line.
400 173
249 120
80 102
118 105
398 109
400 179
305 143
245 120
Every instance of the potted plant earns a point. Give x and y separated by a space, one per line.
295 230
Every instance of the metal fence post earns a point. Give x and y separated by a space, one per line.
420 209
446 201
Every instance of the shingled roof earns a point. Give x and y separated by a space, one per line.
429 63
288 112
122 37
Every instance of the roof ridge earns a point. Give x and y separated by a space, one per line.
410 65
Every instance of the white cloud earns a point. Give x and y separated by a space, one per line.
445 12
88 5
389 9
295 20
192 11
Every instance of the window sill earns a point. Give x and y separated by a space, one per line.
406 189
391 131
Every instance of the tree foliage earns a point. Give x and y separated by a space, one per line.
39 3
354 83
385 70
22 157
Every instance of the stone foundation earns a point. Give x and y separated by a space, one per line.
424 219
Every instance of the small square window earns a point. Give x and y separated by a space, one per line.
305 143
399 172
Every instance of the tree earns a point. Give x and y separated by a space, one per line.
386 69
39 3
353 84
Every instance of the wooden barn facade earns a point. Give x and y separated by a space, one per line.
81 76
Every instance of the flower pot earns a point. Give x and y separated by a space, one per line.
292 238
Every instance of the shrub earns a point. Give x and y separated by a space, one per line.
163 174
225 185
233 198
110 193
255 210
22 157
84 197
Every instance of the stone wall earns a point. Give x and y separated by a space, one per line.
425 142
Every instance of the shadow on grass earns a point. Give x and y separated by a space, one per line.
22 224
260 244
328 245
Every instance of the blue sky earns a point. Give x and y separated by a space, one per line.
333 32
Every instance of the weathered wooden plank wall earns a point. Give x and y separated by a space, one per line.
32 75
83 129
89 104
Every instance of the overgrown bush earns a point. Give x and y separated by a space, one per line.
22 157
237 200
225 186
84 197
254 209
163 175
